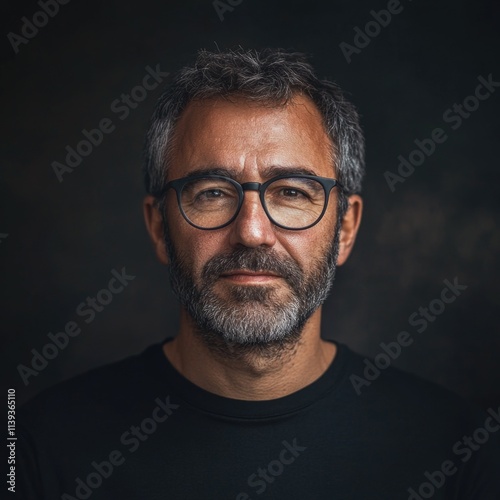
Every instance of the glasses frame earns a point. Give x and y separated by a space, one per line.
178 185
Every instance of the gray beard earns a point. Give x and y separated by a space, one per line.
255 319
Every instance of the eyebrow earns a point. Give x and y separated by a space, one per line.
267 172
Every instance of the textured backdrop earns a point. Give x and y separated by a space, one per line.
62 237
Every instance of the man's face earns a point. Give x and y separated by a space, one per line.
251 282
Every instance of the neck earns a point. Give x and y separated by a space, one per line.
257 374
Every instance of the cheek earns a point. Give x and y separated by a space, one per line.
302 247
197 248
309 245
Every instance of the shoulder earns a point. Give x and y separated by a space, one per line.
407 412
97 391
376 384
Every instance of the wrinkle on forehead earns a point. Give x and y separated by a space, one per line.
244 134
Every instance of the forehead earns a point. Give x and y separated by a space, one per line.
247 138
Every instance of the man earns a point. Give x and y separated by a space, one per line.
253 168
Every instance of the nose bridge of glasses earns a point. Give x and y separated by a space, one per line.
252 223
251 186
252 211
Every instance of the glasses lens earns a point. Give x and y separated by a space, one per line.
209 202
295 202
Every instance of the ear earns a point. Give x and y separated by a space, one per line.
350 226
154 225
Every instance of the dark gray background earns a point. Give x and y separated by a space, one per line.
65 238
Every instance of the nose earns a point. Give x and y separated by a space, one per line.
252 228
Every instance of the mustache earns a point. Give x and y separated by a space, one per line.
253 259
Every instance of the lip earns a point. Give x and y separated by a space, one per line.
245 276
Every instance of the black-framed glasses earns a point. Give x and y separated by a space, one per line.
290 201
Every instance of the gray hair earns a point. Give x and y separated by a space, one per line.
270 75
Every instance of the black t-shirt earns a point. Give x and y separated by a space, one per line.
137 429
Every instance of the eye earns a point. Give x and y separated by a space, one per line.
216 196
211 193
292 193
